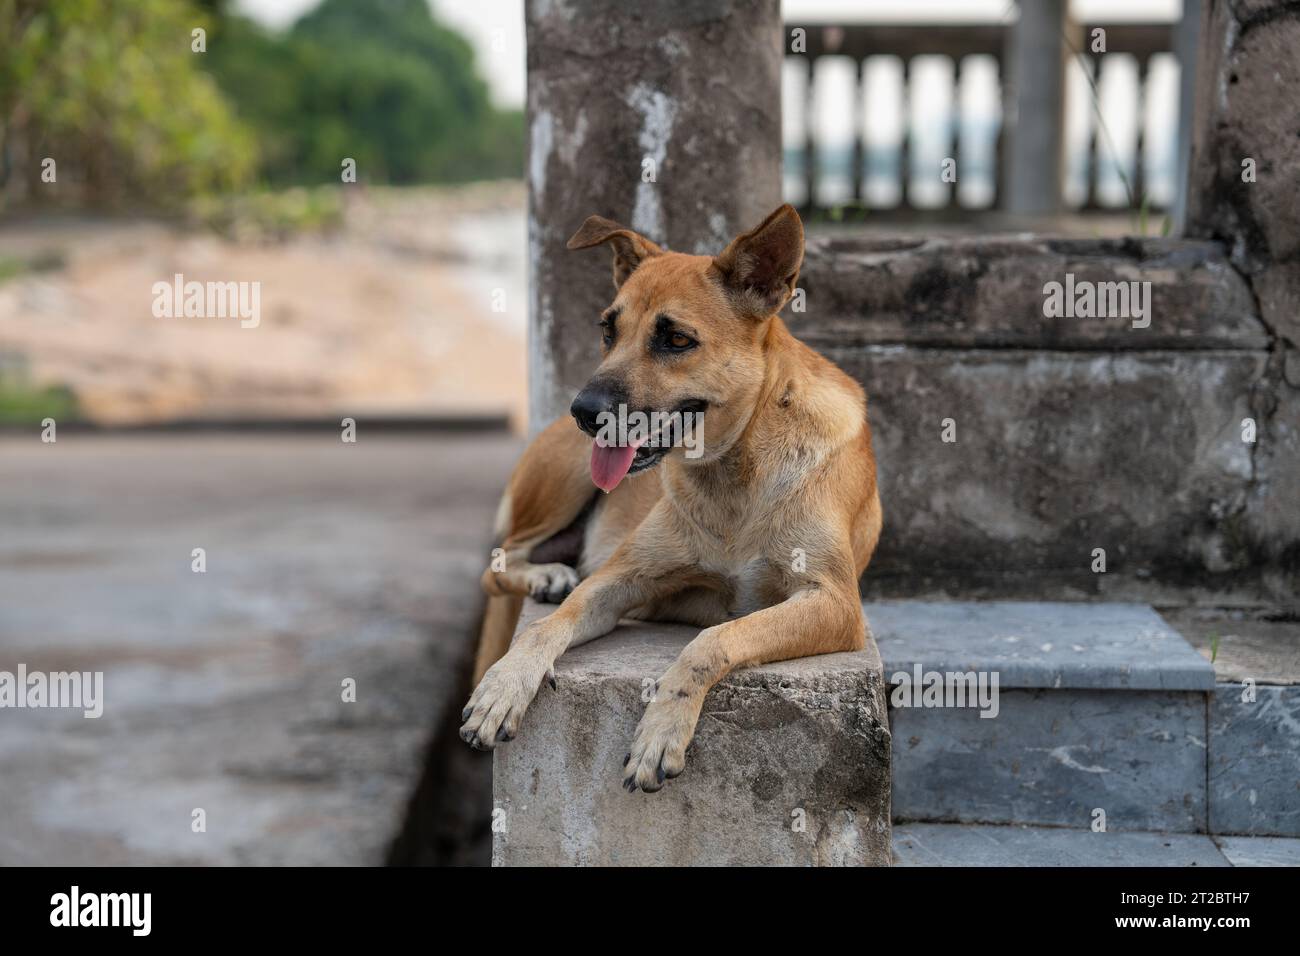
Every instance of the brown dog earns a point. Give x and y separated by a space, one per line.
759 540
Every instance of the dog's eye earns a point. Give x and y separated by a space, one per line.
608 320
680 340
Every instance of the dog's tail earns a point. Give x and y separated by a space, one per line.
549 491
499 619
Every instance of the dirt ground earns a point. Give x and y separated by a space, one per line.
416 306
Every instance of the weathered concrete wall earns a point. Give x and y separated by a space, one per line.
789 764
693 87
1244 170
1070 434
1246 109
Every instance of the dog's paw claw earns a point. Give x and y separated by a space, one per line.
658 751
552 583
498 703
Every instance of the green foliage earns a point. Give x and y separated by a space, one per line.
46 260
270 215
10 267
379 81
23 405
110 90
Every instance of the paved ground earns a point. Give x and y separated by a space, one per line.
325 561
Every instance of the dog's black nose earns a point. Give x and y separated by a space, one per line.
589 404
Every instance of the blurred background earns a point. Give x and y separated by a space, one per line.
227 163
398 299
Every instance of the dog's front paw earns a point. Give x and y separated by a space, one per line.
659 746
551 583
498 703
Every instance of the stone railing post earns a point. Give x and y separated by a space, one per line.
664 116
1037 56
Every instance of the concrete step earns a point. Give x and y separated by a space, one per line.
939 844
1100 713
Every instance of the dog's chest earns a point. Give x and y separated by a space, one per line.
750 585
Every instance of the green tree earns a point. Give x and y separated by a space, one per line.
380 81
111 90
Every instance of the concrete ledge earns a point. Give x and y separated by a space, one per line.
1040 644
789 765
987 292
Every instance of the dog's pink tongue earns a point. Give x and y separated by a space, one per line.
609 464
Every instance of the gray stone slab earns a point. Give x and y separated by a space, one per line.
1260 644
789 765
1053 757
936 844
1254 761
1031 645
1260 851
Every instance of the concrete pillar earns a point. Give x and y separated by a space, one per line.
663 116
1241 189
1037 66
789 765
1245 157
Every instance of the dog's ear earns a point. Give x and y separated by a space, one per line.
630 248
760 268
